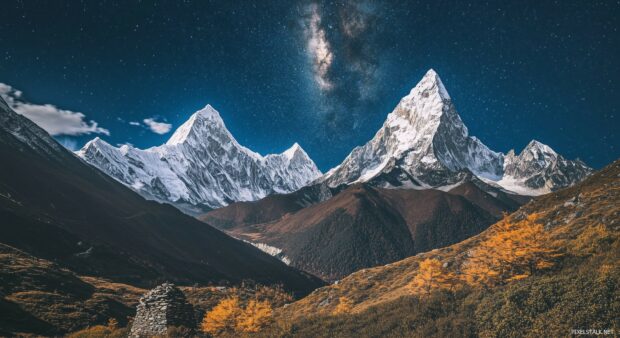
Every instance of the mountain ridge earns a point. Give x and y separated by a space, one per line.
423 143
358 227
567 241
202 166
57 207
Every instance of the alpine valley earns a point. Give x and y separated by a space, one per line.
421 183
421 232
309 169
68 233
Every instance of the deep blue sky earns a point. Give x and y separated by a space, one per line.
324 74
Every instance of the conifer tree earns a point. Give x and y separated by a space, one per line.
431 276
255 316
512 251
223 317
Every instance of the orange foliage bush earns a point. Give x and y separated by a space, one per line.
256 315
344 306
513 251
432 275
230 317
222 317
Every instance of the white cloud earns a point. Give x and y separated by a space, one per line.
157 127
54 120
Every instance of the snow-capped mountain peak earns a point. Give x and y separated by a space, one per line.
540 150
201 121
431 83
539 169
294 150
202 165
424 106
97 141
533 158
424 144
420 143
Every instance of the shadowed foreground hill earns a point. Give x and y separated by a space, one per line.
41 297
550 267
55 206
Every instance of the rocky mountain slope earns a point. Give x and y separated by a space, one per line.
55 206
268 209
424 144
360 227
202 166
524 276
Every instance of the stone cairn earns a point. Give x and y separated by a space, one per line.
161 308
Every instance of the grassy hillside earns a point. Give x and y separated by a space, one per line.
55 206
548 268
40 297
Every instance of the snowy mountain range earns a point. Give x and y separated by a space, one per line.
57 207
202 166
424 144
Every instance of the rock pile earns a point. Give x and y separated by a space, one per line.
161 308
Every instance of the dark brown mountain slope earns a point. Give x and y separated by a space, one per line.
39 297
496 201
561 273
269 208
365 226
54 206
273 207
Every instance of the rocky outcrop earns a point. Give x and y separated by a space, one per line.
160 309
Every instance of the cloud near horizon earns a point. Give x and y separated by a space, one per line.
157 127
52 119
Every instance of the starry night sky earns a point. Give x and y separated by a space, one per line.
324 74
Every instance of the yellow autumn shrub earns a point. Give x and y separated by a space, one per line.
344 306
223 317
432 275
230 317
256 315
